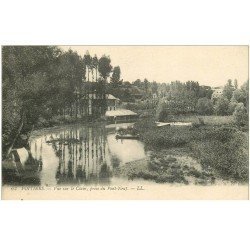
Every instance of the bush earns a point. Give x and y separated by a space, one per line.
167 137
144 125
222 106
226 152
42 122
240 115
232 105
161 111
204 106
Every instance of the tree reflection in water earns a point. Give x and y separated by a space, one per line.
71 155
82 156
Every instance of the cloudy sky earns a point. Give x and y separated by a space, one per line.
210 65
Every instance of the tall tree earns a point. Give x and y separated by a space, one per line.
116 75
71 69
29 81
104 67
146 85
88 62
235 84
95 65
228 90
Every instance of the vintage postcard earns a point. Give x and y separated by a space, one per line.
125 122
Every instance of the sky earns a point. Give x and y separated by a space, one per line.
209 65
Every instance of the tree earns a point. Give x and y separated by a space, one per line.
88 63
222 105
239 95
235 84
205 91
161 111
146 85
228 90
30 78
232 105
204 106
245 90
71 69
37 82
240 115
95 65
116 75
137 83
104 66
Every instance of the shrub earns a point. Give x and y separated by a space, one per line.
161 112
167 137
144 125
232 105
240 115
204 106
222 105
226 152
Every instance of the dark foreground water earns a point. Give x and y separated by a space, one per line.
72 155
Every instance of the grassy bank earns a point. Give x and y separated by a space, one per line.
163 167
219 147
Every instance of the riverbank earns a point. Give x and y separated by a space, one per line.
174 166
219 151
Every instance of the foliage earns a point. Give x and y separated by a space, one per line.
161 111
163 137
95 66
221 106
144 125
116 75
240 115
220 149
225 151
88 63
104 66
28 82
37 82
239 95
228 90
204 106
232 105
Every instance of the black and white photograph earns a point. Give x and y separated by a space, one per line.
125 121
124 124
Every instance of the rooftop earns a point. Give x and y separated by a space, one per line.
111 97
119 112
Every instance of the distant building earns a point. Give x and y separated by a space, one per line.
112 102
121 115
217 93
91 101
155 96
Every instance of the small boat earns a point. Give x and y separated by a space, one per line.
127 136
162 124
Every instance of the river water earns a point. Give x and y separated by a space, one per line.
76 155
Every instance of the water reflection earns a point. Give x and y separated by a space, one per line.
82 155
75 155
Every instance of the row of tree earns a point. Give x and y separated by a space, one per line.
38 81
100 68
182 98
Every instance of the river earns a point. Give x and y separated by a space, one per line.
76 154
